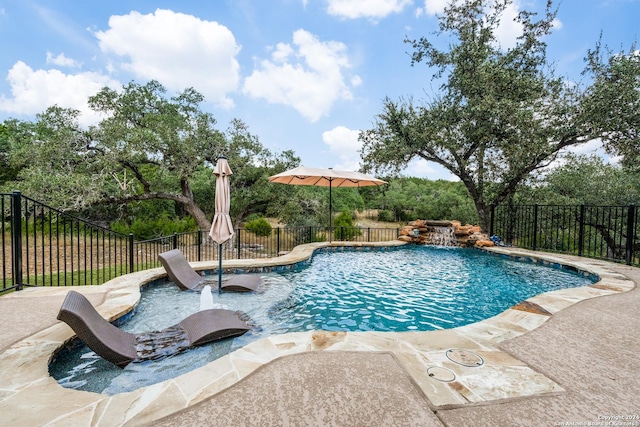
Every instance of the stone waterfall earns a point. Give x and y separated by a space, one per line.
444 233
440 236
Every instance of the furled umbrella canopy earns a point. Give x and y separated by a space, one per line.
222 228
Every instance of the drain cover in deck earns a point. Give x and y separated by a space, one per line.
441 374
465 357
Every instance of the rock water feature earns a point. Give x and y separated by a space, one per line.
444 233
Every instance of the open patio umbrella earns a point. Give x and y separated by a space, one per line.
221 227
325 178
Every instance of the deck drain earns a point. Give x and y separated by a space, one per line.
465 357
441 374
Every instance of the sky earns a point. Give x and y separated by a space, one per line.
304 75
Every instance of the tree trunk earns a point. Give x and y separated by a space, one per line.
190 206
484 215
201 218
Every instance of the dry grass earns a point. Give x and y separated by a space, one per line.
364 219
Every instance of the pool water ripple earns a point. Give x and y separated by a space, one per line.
409 289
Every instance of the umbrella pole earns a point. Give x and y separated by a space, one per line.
330 212
219 267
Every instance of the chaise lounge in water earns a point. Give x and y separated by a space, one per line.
181 273
121 347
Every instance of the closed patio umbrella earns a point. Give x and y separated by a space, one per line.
325 178
221 227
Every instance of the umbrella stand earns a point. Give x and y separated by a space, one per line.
219 267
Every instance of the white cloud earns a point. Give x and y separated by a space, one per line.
432 7
556 23
308 76
509 30
35 91
343 143
178 50
422 169
62 61
374 9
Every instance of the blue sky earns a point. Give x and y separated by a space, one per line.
305 75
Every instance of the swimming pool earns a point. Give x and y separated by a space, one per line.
407 289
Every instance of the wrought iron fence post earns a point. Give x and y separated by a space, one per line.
581 231
535 227
175 241
16 239
368 234
200 245
278 240
492 217
131 253
631 227
238 240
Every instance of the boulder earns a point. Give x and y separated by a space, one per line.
438 223
407 230
463 230
418 223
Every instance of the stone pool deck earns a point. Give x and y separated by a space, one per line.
563 356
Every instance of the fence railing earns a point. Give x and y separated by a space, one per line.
43 246
606 232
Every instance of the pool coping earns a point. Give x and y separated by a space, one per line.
29 393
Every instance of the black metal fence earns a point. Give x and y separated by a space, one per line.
42 246
606 232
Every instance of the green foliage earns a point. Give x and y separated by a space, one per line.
584 180
148 147
501 114
386 215
343 226
406 199
6 174
144 229
611 105
302 206
252 217
345 199
259 227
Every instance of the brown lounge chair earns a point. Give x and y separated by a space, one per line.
121 347
181 273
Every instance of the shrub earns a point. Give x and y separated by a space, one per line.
259 227
253 217
344 229
144 229
386 215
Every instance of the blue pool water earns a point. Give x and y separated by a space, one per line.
417 288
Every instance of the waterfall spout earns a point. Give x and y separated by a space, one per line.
441 236
206 298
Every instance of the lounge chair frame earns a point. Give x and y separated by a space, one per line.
121 347
186 278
